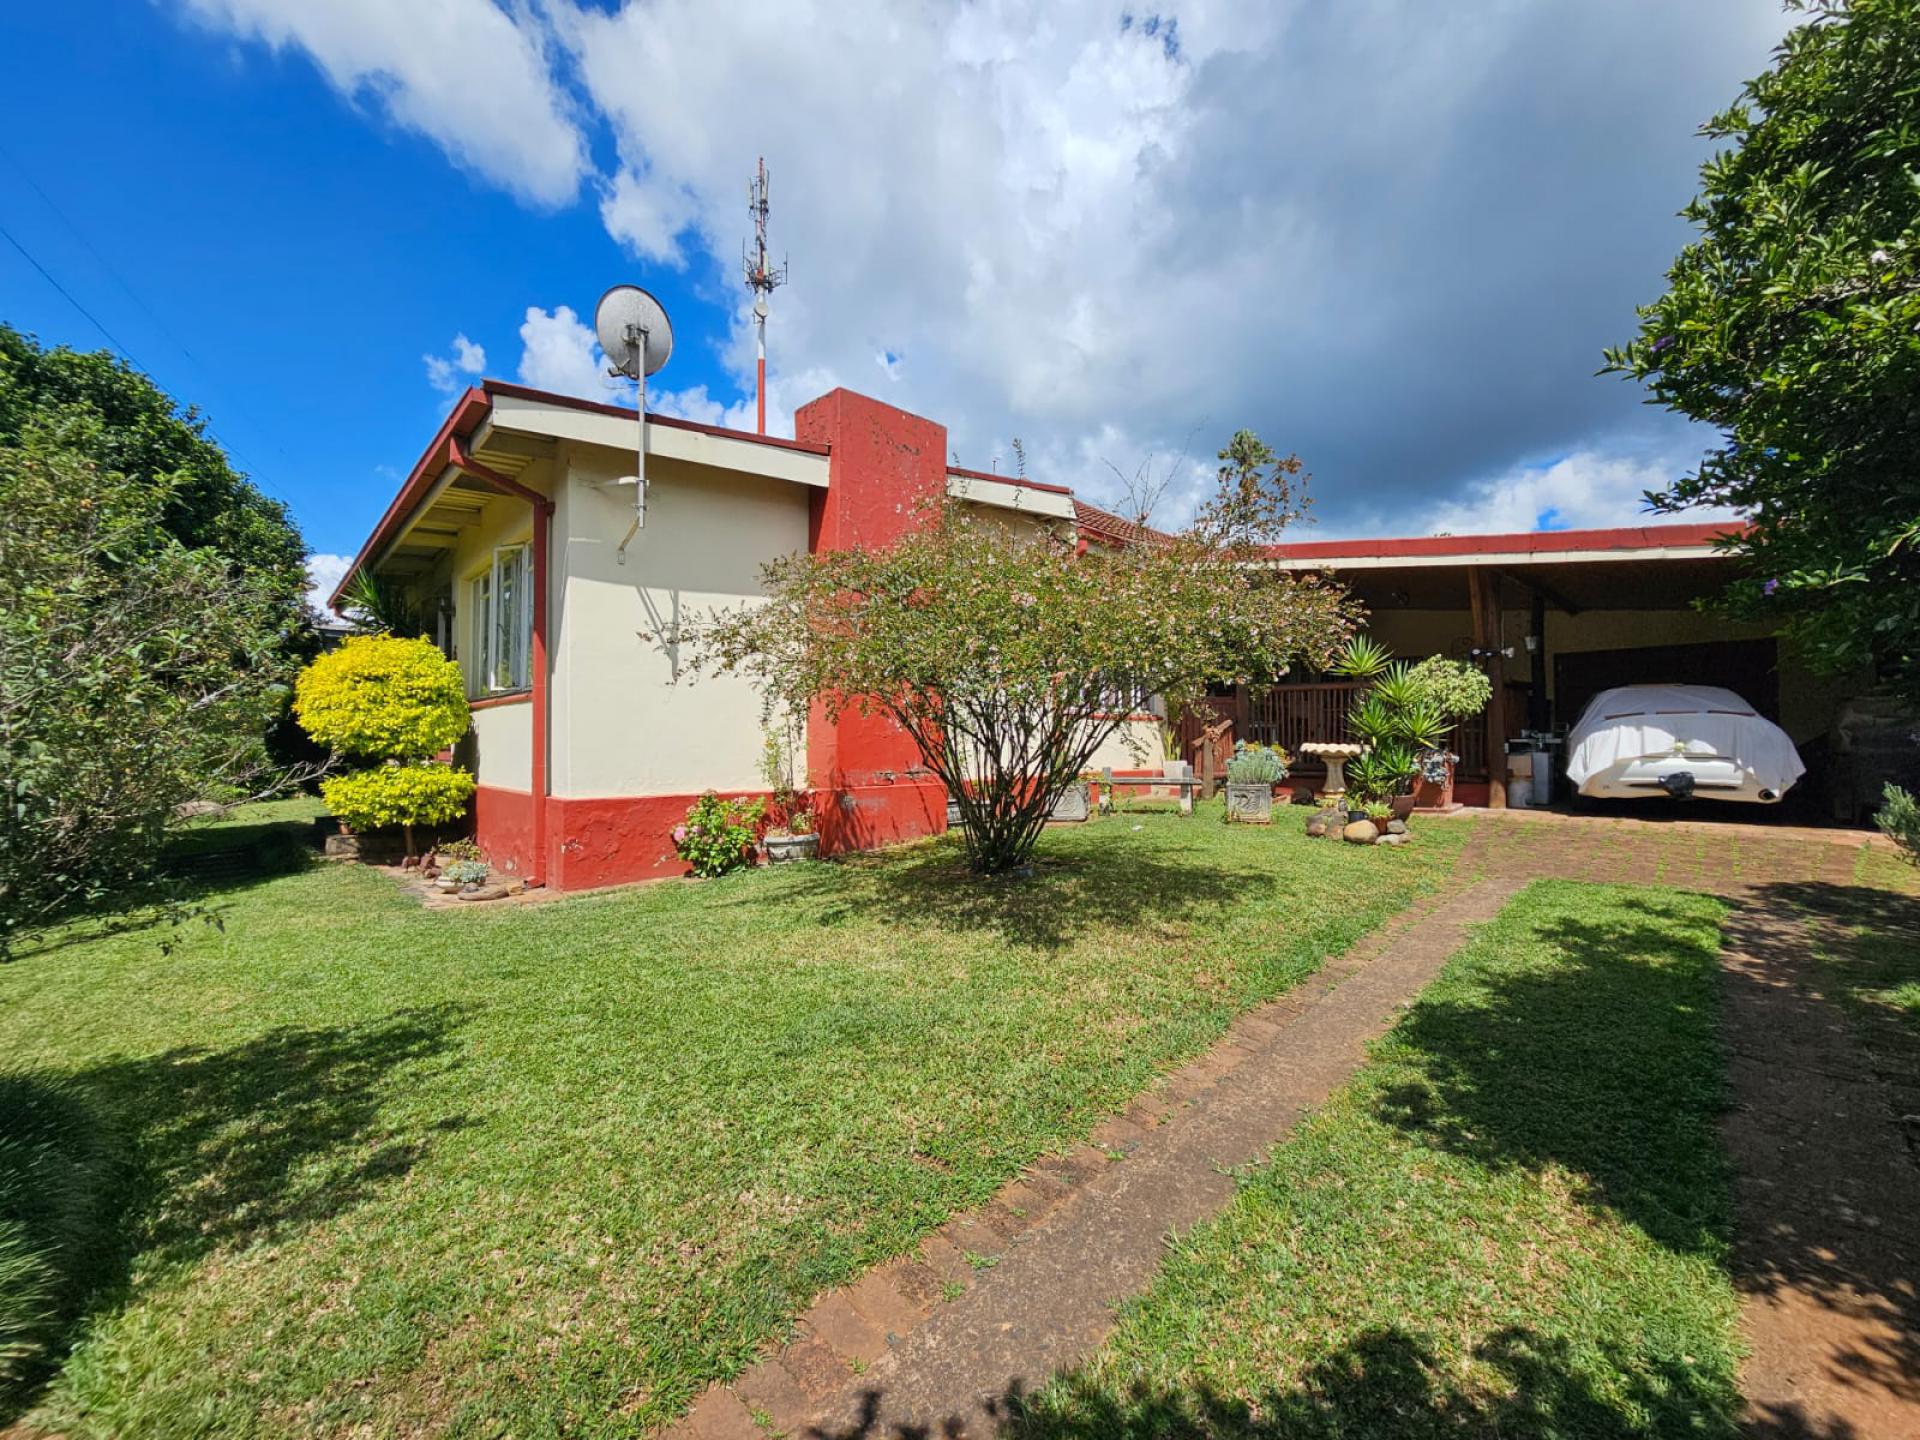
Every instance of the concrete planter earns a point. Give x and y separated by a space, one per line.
1250 804
1075 803
784 849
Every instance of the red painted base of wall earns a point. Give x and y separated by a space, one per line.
503 827
865 817
1471 792
614 840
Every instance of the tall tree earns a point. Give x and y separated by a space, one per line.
94 405
1792 323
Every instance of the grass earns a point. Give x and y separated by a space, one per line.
550 1169
55 1173
1513 1221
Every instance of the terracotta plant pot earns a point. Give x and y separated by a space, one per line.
1403 805
1434 795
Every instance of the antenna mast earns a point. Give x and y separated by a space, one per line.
762 278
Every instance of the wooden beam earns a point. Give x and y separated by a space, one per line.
1543 590
1538 715
1483 598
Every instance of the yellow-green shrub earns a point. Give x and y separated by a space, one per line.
382 696
406 795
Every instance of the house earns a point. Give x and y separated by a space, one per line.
516 531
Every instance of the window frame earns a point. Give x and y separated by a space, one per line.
500 635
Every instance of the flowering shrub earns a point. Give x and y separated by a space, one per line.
406 795
718 835
384 697
998 650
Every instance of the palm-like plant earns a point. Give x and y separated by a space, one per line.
1363 659
1395 719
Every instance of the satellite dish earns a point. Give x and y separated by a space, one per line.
633 329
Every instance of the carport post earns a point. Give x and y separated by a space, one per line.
1483 595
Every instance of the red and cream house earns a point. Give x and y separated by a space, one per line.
515 532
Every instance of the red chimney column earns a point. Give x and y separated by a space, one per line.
885 471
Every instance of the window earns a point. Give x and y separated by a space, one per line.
500 620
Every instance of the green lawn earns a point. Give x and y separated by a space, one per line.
550 1169
1512 1222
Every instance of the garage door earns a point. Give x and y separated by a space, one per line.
1746 667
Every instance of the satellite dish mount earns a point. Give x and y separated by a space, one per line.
633 330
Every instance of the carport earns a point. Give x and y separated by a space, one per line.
1554 617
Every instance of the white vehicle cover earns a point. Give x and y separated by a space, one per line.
1643 721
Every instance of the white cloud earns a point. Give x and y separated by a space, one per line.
561 355
444 371
324 572
1584 490
1394 244
467 74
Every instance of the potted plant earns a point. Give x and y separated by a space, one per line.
1252 772
793 838
1458 691
790 831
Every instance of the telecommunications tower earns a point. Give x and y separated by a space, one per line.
762 277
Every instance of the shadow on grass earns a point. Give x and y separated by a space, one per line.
198 1150
1069 892
1386 1385
1848 1239
1605 1064
199 868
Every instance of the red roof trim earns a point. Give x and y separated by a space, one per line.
625 412
1532 542
1019 480
462 420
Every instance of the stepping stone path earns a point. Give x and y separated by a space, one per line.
1002 1298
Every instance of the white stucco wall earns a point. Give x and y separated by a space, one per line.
624 722
1143 754
502 745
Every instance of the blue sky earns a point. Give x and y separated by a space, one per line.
1392 243
304 253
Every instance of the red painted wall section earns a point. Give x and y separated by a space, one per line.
886 471
503 828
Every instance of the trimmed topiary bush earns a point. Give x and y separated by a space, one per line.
397 700
383 697
406 795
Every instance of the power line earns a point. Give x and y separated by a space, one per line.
47 276
253 470
104 263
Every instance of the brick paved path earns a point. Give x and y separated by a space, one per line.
1002 1298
